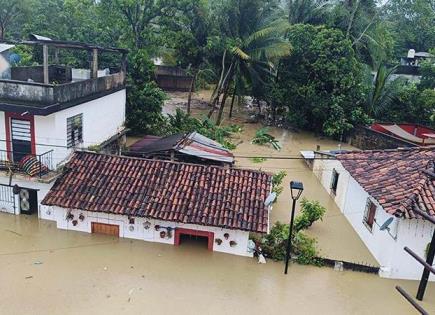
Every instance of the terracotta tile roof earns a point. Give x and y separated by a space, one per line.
179 192
397 179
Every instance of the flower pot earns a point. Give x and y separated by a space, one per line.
218 241
162 234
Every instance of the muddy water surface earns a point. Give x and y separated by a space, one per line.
48 271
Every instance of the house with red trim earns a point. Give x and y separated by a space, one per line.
378 192
49 110
160 201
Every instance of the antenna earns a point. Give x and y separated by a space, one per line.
386 224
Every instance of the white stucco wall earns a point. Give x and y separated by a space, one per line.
385 246
139 232
102 118
323 169
30 183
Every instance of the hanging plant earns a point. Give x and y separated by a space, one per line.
75 222
146 225
226 235
131 228
69 216
157 227
233 243
162 234
218 241
81 217
131 220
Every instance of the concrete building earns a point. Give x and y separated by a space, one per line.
160 201
382 187
47 112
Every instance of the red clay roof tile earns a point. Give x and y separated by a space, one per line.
395 178
180 192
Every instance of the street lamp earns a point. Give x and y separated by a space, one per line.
296 189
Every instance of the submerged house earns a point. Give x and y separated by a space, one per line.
160 201
47 111
377 192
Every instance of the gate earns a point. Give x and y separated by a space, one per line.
7 199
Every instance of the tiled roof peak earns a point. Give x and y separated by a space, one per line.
172 191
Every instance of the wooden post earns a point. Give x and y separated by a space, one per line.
426 271
56 56
94 64
45 63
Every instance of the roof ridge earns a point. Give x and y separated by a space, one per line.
169 162
399 149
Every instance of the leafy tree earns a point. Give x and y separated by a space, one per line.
12 12
321 83
144 98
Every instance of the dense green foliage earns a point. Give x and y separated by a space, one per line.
321 82
274 244
144 98
181 122
277 179
309 61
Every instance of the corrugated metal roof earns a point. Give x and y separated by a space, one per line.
193 144
4 47
203 147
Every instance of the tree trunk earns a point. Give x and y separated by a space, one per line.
192 86
352 18
221 109
2 32
232 104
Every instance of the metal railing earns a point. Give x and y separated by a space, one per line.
34 165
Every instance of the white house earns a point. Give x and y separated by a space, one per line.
48 111
371 187
160 201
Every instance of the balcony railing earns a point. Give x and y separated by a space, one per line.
34 165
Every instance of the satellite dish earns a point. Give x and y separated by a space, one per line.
386 224
270 199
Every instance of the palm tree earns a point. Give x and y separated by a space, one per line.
381 93
254 45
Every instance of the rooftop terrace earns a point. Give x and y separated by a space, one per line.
50 87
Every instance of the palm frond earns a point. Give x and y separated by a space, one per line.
237 51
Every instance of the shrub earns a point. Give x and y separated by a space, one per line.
277 183
274 245
182 122
311 211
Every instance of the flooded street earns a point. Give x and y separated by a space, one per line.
48 271
45 271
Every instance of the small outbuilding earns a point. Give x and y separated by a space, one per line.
160 201
184 147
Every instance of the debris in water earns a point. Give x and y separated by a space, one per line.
159 255
13 232
105 268
130 293
261 259
107 295
38 263
29 277
131 267
338 266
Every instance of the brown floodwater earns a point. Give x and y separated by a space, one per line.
44 270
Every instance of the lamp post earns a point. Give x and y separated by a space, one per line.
296 189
